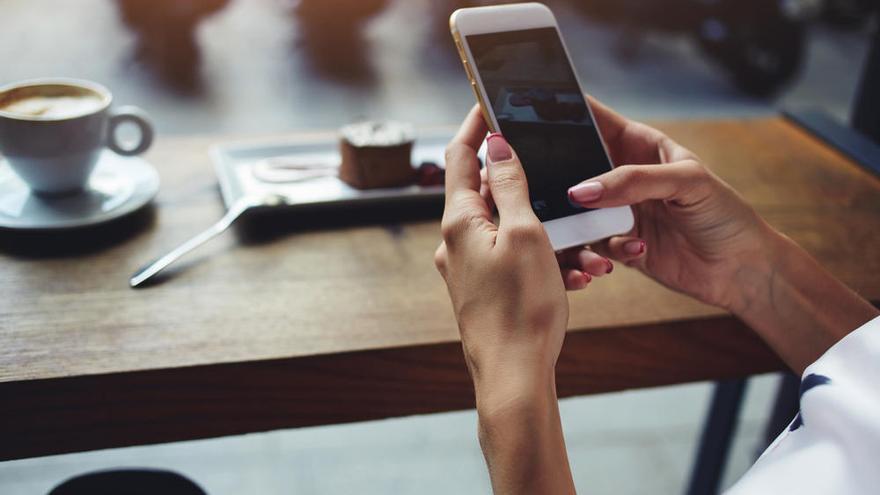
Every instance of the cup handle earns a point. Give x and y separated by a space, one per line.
139 118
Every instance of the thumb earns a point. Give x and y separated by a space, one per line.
684 182
507 181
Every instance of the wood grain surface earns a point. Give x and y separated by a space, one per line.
340 316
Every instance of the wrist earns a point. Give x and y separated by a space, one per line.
755 275
794 304
521 438
503 373
520 402
519 393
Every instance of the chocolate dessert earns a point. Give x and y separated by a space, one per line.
377 154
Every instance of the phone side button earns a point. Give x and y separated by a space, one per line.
481 103
467 69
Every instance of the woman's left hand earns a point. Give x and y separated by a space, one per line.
512 311
503 278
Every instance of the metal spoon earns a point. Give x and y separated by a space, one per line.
232 214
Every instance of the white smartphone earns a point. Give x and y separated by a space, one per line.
523 79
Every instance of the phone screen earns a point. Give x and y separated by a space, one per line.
541 112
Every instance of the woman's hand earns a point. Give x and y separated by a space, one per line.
512 311
692 233
695 234
503 279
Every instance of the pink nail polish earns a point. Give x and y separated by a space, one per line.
497 148
634 247
586 192
587 277
610 266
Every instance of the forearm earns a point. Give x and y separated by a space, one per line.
521 437
795 305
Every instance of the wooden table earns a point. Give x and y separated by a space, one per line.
307 326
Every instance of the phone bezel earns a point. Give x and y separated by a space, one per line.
573 230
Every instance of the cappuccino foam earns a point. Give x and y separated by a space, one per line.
54 106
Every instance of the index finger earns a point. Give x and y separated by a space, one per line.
462 165
473 129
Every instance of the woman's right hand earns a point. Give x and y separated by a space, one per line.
693 232
696 235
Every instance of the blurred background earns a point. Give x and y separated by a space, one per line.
253 66
233 67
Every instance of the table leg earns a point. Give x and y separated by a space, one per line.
717 436
785 408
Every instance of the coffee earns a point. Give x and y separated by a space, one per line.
54 131
51 102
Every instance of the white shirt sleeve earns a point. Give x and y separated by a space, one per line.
833 445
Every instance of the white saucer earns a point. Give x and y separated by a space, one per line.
118 186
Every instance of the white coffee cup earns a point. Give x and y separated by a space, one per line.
52 131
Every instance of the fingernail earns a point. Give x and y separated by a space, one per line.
634 247
497 148
585 192
610 265
587 277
